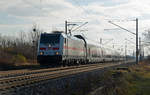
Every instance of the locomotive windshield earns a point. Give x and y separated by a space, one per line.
50 38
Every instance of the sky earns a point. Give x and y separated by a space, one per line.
48 15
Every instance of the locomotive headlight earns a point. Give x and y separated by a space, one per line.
57 53
41 53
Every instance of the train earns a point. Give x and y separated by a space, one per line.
58 48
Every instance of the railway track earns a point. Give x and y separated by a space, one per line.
15 73
32 77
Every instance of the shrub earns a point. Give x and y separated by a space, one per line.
19 58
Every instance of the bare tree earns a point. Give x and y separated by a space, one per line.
25 44
22 36
147 35
34 34
146 43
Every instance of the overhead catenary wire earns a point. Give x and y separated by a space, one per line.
81 7
80 26
97 42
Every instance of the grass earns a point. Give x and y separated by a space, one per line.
140 82
132 81
18 61
135 81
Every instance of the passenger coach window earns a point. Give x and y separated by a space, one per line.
65 40
89 52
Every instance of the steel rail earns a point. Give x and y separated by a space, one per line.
26 72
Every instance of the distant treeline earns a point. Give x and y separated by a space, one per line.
19 50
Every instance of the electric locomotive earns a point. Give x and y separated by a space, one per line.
58 48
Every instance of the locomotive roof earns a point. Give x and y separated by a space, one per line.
64 35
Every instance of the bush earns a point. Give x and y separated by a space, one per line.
19 58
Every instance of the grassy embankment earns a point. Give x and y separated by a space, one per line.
139 79
133 81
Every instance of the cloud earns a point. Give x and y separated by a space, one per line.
22 14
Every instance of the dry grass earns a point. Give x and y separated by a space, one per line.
133 81
136 81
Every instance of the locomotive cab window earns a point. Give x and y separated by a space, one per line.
50 38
